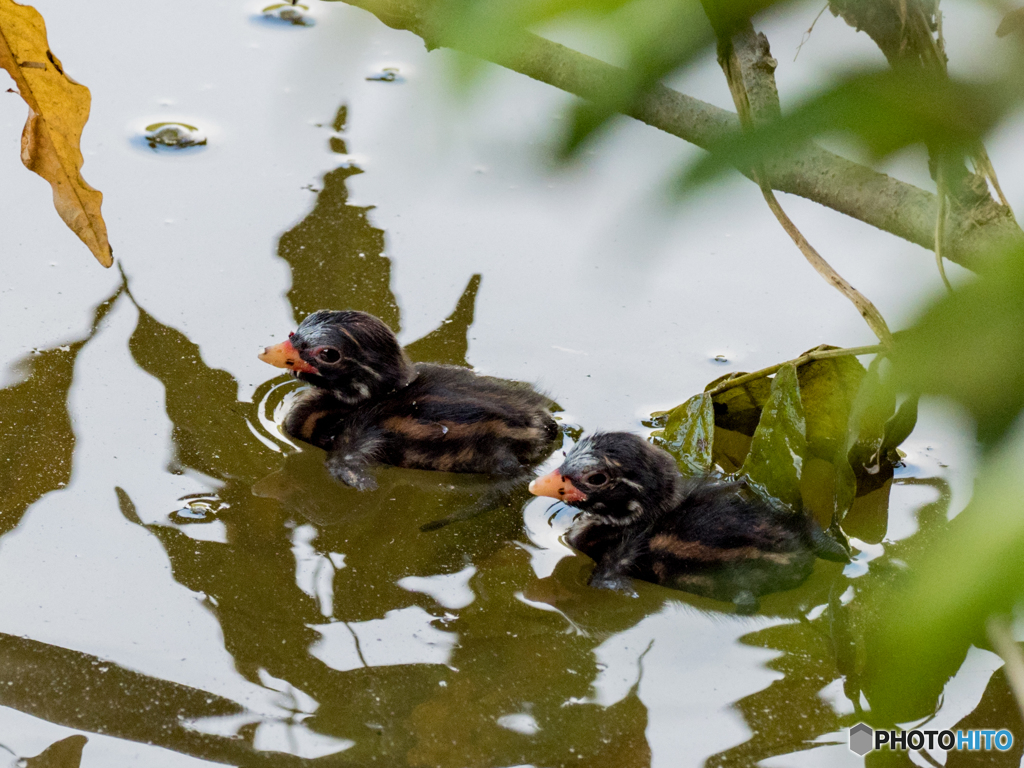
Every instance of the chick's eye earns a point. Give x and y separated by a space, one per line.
596 479
328 355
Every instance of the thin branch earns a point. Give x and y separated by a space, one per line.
750 71
823 354
940 223
1008 648
810 29
867 310
810 172
983 164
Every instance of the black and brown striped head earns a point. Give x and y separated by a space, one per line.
351 353
614 475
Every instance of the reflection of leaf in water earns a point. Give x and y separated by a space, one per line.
66 753
57 110
834 645
211 428
336 257
449 342
512 658
997 709
806 663
36 438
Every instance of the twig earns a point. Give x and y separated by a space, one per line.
807 34
1008 648
867 310
940 220
983 163
807 357
760 66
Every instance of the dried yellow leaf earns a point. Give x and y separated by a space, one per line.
58 108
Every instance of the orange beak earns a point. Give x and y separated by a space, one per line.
557 486
284 355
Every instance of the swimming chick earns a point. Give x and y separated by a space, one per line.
369 404
643 520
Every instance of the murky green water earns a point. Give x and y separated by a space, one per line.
182 585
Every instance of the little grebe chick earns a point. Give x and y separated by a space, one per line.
642 519
370 404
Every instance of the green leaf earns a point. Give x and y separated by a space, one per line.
845 488
660 36
828 389
739 408
899 427
689 433
969 346
777 452
872 408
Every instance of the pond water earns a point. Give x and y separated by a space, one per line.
183 586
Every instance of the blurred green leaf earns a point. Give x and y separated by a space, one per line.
973 569
969 346
660 36
777 452
886 110
689 434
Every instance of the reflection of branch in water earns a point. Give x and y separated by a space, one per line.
87 693
36 437
355 639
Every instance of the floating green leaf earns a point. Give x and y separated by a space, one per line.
899 427
689 434
828 389
739 408
777 452
871 410
845 486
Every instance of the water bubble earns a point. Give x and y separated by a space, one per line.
174 136
387 75
287 13
198 508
